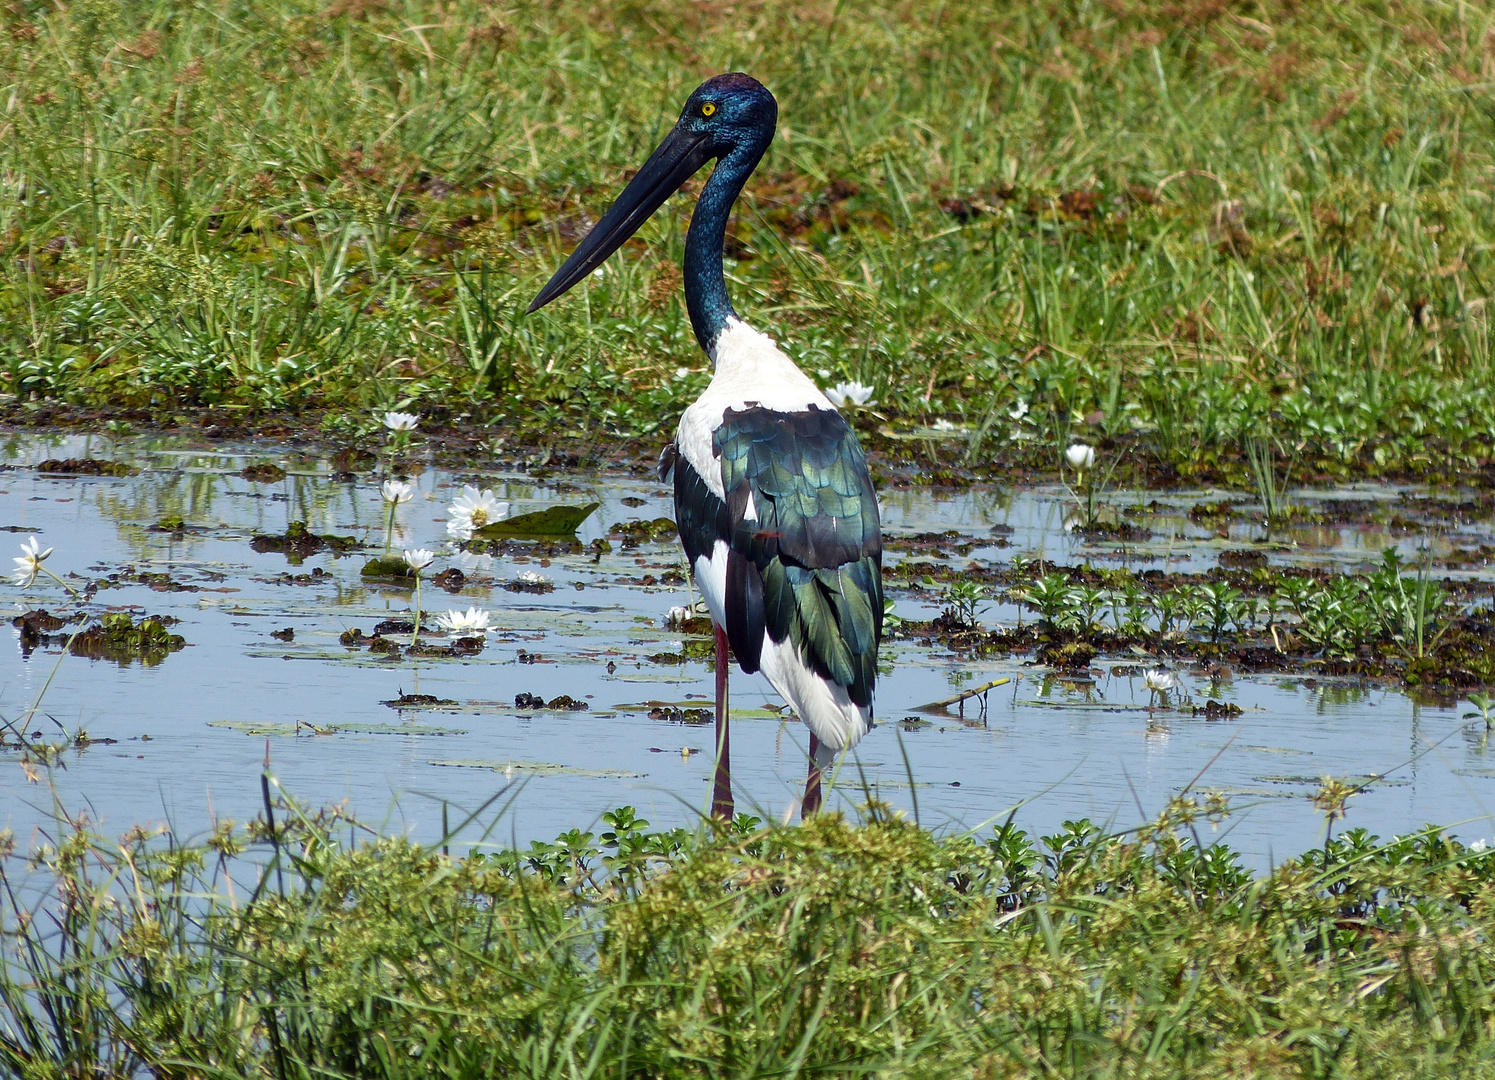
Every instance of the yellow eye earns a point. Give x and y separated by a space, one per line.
708 108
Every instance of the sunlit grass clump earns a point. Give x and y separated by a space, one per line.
1195 227
869 948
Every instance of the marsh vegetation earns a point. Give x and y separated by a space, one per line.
1196 243
1209 235
299 945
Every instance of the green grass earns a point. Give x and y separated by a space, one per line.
1186 228
849 949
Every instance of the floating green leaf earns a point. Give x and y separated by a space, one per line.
552 521
534 768
388 566
256 727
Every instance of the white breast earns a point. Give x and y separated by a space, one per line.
750 370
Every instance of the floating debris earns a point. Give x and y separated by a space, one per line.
297 542
1217 710
660 530
85 467
120 639
465 646
675 715
417 701
288 634
263 473
35 628
564 703
316 576
529 582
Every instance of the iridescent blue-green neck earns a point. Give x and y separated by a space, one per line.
705 286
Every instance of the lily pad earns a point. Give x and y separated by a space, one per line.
388 566
534 768
552 521
258 727
669 707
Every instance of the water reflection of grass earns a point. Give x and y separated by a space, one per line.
868 948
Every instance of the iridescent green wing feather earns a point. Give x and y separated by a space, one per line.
809 568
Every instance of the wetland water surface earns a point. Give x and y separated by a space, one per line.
264 665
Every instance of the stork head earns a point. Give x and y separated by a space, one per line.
730 118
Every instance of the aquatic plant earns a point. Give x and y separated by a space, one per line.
29 565
1409 609
473 509
400 426
1159 682
850 394
394 492
1081 458
417 560
1270 488
929 228
470 623
1052 598
960 600
860 948
29 562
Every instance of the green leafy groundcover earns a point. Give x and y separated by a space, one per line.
846 948
1182 225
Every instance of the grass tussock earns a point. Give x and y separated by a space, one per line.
1194 227
870 948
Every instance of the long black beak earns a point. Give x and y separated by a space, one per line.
673 162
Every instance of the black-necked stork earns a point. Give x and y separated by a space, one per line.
772 495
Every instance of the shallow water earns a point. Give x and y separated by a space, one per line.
193 731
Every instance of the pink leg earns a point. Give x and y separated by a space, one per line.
811 804
721 790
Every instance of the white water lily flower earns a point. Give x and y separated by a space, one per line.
401 421
1478 845
529 577
470 623
1159 681
472 510
397 491
1080 456
675 617
29 562
850 393
473 562
1019 410
419 559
